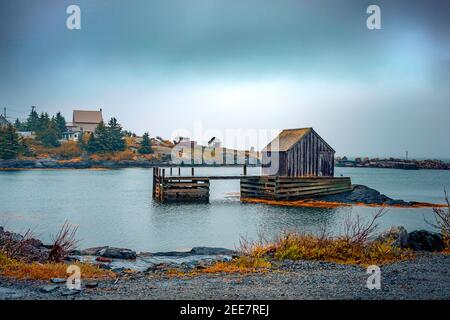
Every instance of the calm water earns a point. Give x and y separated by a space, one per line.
114 207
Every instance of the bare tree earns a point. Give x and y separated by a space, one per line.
442 219
358 230
63 243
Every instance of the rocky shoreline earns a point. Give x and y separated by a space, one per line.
425 277
145 275
48 163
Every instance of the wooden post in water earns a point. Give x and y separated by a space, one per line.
192 171
170 171
179 171
162 184
245 169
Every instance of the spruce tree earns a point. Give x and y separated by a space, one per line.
43 122
32 123
18 125
49 136
92 145
60 123
9 142
145 147
102 141
116 141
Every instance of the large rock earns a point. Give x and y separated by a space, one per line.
423 240
211 251
398 236
117 253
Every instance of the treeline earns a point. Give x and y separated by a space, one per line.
107 138
10 143
48 130
110 138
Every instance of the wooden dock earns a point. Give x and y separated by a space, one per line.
196 189
292 188
178 188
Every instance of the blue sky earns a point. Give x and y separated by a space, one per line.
164 65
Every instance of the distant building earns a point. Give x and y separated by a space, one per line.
186 142
86 121
3 121
82 121
297 153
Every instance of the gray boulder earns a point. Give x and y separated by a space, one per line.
118 253
211 251
397 234
422 240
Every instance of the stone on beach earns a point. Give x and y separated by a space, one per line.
118 253
397 234
422 240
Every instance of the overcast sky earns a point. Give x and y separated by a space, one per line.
164 65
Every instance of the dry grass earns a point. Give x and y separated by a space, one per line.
44 271
297 246
353 247
330 205
116 156
243 264
442 222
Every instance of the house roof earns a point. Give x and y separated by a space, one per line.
84 116
288 138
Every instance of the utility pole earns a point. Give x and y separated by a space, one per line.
4 112
406 155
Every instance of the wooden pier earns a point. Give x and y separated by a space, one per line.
292 188
196 189
178 188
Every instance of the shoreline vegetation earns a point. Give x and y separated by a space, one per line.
41 144
38 271
25 260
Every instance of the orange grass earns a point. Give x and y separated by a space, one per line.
36 271
243 264
297 246
330 205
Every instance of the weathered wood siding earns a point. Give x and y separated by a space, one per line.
292 188
311 156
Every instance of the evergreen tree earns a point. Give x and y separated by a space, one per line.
100 140
43 122
9 142
116 141
145 147
32 123
60 123
92 145
49 135
18 125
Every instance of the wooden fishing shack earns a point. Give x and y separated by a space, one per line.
298 153
297 164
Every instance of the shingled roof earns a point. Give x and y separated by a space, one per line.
289 138
83 116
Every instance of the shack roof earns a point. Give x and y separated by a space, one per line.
84 116
289 138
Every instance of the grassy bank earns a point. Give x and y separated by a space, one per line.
17 269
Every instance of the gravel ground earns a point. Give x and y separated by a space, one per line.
427 277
